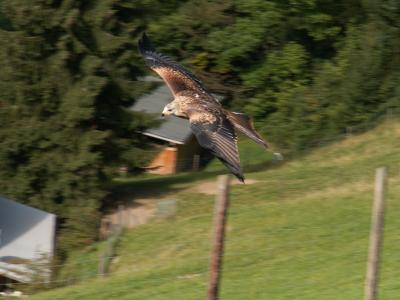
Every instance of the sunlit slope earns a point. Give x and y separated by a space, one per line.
301 232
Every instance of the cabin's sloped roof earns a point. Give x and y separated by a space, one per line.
172 129
26 233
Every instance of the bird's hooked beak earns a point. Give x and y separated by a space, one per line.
164 112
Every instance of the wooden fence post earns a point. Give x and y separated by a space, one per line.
349 132
101 271
221 211
375 239
106 256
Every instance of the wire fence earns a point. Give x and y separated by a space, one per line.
178 221
247 240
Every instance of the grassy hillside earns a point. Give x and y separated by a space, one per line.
300 232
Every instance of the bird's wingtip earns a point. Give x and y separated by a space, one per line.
241 178
144 44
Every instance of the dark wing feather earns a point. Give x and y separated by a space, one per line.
220 138
175 76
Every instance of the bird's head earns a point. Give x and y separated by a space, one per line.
174 108
169 109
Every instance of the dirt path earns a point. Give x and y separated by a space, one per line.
134 213
139 211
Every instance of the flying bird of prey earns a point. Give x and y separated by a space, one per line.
213 126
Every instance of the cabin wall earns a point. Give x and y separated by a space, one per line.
186 153
164 162
176 158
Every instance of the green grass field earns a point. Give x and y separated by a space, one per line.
300 232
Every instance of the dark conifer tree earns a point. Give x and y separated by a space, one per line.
66 83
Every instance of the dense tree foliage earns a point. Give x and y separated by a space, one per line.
67 79
305 69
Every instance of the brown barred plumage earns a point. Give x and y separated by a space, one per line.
213 126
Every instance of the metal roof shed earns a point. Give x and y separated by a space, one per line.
26 234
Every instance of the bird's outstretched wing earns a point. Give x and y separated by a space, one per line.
219 137
175 76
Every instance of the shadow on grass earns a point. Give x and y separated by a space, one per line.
125 191
157 185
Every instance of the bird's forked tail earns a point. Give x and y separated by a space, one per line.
243 123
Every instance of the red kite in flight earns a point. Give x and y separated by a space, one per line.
213 126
